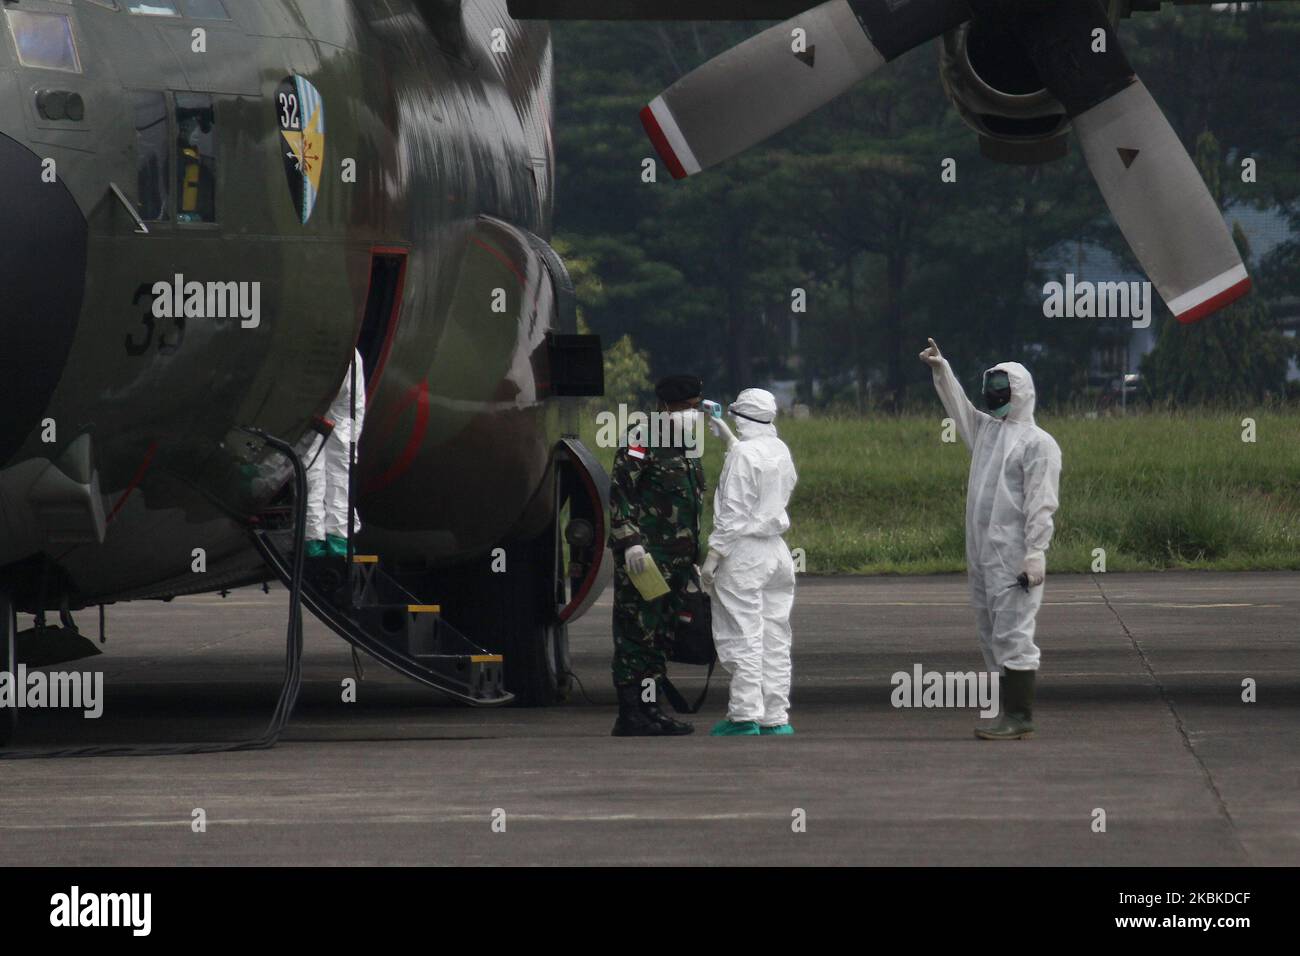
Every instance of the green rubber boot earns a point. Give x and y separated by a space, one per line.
1016 719
730 728
785 730
338 546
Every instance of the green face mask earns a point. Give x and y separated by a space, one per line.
997 392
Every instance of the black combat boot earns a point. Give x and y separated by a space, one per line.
1016 718
632 720
671 727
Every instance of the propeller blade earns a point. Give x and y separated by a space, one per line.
1161 204
774 79
1151 185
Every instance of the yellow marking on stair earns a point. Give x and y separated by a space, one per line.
365 559
424 608
486 659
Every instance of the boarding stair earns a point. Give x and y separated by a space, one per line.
359 601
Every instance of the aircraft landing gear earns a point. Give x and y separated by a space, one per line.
517 600
513 613
521 609
542 594
8 663
540 643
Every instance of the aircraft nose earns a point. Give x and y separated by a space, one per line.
43 238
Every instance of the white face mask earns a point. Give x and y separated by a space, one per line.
687 427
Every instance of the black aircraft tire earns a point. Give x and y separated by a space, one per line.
512 613
8 665
533 642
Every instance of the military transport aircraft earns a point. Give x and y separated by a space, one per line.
1022 73
207 204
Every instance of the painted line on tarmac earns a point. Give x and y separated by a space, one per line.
1167 604
883 603
1096 603
218 602
401 818
885 682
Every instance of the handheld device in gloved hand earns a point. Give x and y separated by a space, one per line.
1033 570
649 581
717 424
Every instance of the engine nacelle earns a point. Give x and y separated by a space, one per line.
998 93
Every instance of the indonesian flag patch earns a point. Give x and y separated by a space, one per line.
636 451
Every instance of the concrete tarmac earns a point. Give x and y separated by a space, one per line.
1140 715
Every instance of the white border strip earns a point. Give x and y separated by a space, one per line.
672 132
1207 290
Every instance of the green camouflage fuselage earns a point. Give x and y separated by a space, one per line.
436 147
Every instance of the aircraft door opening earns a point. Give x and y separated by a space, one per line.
383 312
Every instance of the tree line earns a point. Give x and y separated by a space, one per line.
827 255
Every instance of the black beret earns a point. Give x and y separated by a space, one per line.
679 388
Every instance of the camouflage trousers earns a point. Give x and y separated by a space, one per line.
644 630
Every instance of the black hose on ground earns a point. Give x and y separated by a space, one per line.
292 683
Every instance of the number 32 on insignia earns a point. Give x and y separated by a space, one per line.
301 112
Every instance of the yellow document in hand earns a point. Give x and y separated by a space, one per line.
650 582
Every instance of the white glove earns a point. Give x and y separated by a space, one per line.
709 568
634 558
932 356
1034 568
721 430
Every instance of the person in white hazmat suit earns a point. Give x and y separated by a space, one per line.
749 571
1015 475
327 472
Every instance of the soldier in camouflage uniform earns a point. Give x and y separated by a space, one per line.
656 499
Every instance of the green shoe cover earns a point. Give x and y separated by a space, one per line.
316 549
338 546
728 728
785 730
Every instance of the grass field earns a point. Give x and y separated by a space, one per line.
887 496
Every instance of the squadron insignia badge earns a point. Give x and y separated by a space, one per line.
302 124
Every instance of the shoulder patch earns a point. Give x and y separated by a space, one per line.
637 445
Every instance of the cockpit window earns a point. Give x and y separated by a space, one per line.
205 9
196 167
151 138
44 40
153 8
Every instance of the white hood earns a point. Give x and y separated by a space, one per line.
755 403
1023 396
747 430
